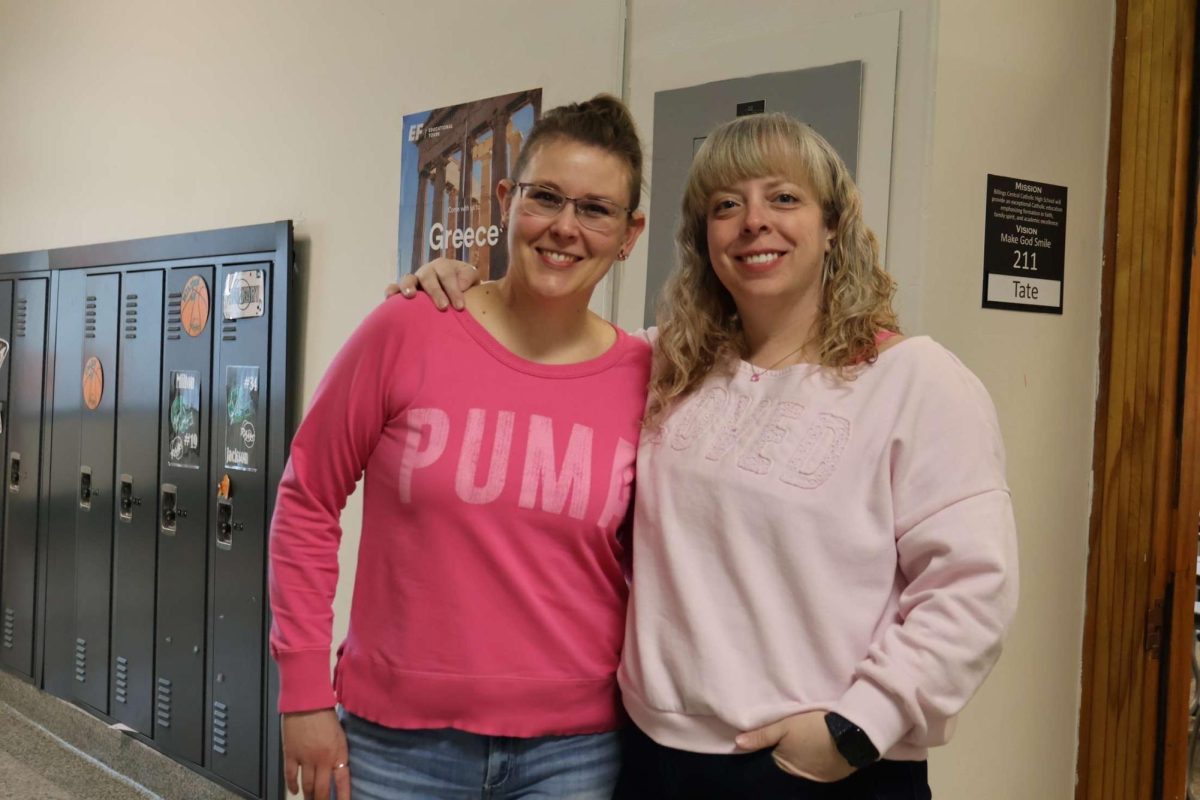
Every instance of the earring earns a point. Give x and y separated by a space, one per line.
621 255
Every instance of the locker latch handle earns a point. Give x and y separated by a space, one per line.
169 511
127 499
85 488
225 523
14 472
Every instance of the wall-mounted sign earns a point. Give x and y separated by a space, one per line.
1025 232
451 160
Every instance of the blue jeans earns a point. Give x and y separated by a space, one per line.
447 764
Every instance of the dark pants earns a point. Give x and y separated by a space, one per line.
650 771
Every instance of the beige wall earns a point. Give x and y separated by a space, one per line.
127 118
1022 90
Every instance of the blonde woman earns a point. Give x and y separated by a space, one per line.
824 548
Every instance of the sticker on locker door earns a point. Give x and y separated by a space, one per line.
243 294
184 440
242 448
194 305
93 383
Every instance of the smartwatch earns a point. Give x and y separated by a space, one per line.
851 741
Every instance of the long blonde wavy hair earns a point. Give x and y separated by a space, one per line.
699 329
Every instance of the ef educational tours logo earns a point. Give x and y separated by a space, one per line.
415 131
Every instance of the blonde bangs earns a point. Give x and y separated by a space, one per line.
753 147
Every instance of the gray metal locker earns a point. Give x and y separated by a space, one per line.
23 476
132 572
94 498
183 514
136 521
58 635
6 308
238 521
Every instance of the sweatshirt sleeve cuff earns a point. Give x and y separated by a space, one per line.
304 683
876 712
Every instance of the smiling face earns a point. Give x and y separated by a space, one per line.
767 240
556 256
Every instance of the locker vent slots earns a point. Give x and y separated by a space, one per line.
220 723
81 660
162 704
9 625
89 318
131 316
174 315
121 682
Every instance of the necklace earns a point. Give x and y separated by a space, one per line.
756 374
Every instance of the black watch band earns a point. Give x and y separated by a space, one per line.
851 741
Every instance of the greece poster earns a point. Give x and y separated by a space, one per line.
451 161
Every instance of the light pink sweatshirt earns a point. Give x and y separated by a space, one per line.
806 544
489 595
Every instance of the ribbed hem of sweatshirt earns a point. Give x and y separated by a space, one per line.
304 683
696 733
486 705
704 733
876 712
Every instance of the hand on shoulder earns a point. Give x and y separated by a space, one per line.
445 280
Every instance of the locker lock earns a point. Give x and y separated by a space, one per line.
14 472
169 510
128 501
85 488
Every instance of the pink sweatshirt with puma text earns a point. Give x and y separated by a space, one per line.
489 594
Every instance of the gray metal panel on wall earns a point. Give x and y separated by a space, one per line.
23 477
136 519
238 523
94 497
183 514
828 98
58 672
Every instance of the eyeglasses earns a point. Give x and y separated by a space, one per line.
594 213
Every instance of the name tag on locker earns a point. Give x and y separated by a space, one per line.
243 295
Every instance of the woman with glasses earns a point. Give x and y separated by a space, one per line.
824 549
498 448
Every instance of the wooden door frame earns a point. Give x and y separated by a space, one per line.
1146 499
